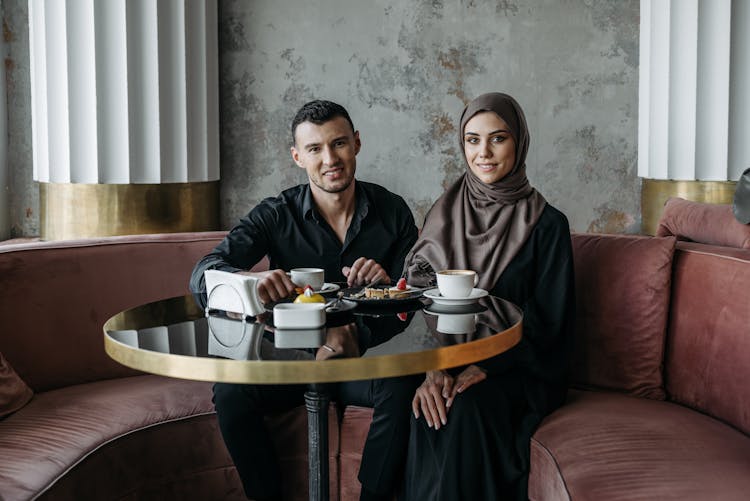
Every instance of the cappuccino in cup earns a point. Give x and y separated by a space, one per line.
456 284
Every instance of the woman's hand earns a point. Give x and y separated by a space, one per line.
431 398
469 376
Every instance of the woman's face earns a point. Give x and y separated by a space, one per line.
489 147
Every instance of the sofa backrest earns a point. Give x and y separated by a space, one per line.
708 341
56 296
622 304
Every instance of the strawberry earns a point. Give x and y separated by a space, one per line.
401 284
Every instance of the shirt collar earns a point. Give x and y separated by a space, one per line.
361 203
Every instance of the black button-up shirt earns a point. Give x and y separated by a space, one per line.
290 231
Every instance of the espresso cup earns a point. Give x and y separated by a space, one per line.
456 284
314 277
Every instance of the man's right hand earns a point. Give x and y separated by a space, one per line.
340 342
273 285
364 271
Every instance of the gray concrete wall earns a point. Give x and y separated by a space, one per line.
405 69
23 192
4 191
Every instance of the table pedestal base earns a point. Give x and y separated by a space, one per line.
316 401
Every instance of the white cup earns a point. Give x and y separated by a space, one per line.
459 323
314 277
456 284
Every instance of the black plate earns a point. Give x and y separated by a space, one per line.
349 295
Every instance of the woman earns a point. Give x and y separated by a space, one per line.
472 426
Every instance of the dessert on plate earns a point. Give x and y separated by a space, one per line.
400 290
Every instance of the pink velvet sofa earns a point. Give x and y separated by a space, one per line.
661 402
93 428
659 406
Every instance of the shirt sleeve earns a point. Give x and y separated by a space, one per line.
240 250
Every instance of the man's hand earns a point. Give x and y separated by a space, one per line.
431 398
364 271
340 342
273 285
468 377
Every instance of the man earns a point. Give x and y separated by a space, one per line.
357 232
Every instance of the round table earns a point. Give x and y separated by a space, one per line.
175 338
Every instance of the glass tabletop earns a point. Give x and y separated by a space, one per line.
173 337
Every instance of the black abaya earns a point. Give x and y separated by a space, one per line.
482 453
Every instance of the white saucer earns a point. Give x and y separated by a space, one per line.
327 288
475 295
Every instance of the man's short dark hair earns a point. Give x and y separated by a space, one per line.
319 112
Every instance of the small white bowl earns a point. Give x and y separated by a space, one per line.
299 315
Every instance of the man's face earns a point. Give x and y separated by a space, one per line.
328 153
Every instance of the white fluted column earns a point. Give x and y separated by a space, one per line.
694 101
125 104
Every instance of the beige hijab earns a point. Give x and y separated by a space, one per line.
475 225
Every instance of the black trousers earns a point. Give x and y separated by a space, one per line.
240 410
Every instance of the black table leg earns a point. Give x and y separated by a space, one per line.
316 401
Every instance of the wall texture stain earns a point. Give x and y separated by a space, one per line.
623 21
506 8
404 70
610 221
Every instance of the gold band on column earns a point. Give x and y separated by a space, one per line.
655 192
70 211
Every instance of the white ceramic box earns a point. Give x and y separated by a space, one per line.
299 315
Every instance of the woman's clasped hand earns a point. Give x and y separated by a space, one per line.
433 399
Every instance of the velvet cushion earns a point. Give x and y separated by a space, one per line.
713 224
614 447
61 293
622 302
59 429
14 393
707 363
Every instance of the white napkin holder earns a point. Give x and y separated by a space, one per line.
232 292
235 339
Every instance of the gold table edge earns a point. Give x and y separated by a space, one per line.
298 372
